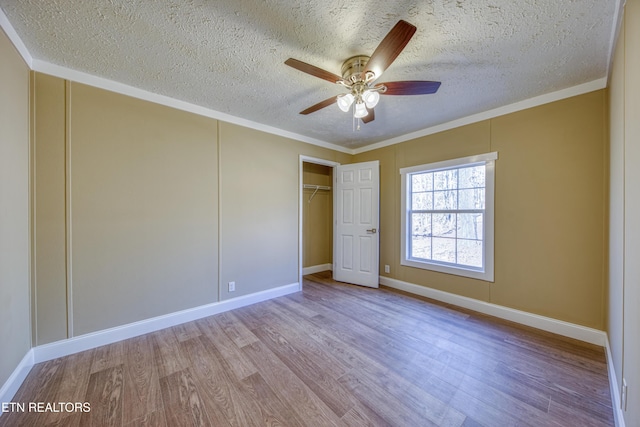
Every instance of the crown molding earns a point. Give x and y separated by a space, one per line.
15 39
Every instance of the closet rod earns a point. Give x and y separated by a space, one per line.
316 188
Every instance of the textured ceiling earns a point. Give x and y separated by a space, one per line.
228 56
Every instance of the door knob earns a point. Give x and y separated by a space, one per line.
372 231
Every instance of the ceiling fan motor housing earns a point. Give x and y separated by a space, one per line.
353 67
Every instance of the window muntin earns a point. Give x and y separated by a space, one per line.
447 216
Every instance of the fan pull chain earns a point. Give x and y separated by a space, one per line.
355 127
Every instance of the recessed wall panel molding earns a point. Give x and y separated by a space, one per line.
49 189
144 206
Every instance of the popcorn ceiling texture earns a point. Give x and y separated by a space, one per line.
229 56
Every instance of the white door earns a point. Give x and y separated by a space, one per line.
356 242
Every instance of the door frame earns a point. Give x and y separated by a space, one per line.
307 159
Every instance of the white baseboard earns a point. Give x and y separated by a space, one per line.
614 388
548 324
316 269
73 345
13 383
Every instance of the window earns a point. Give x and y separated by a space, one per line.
447 216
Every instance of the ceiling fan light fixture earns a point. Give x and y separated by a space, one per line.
371 98
360 110
344 101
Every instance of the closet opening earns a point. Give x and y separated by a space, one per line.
316 216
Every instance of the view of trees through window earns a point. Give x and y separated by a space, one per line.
447 216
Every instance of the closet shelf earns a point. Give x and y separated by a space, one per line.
316 188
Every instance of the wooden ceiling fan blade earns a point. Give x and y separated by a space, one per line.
369 117
313 70
389 48
319 105
410 87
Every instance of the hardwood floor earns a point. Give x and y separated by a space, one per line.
333 354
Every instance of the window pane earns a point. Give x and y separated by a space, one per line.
471 199
445 180
444 250
470 253
470 226
420 247
445 200
422 201
422 182
472 177
444 225
420 224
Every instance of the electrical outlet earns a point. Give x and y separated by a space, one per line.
387 269
623 397
232 286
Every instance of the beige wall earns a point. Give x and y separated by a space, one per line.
624 276
550 207
143 207
318 216
260 208
15 329
140 209
258 235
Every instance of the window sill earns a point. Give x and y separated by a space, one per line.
486 276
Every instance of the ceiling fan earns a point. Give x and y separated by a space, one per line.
360 72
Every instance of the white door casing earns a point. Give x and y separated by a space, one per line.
356 231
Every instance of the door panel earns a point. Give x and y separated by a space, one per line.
347 252
366 248
347 203
365 200
357 219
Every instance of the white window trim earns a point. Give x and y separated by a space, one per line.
488 160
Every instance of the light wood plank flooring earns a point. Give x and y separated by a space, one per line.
332 355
